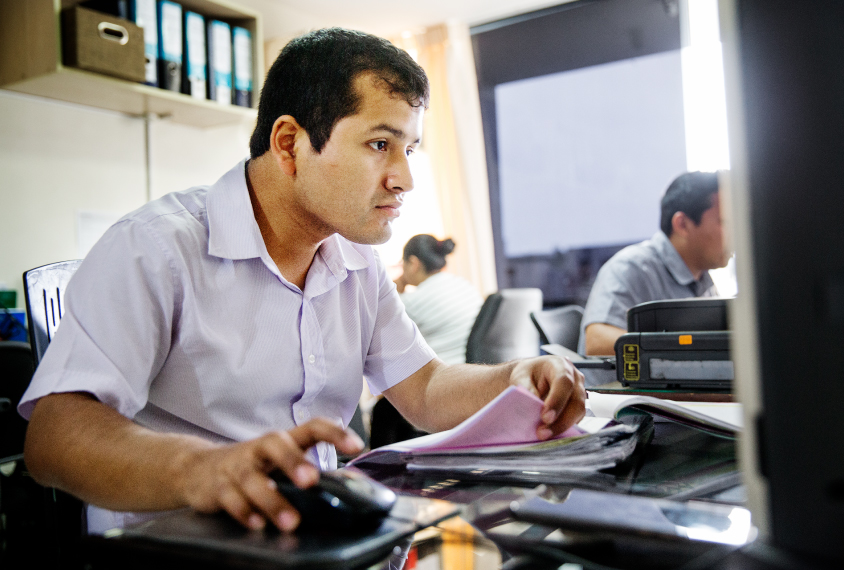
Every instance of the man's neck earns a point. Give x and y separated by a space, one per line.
291 249
687 257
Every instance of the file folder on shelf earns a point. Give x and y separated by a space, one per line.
119 8
242 60
219 62
195 64
169 45
145 14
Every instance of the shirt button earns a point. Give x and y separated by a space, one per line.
312 359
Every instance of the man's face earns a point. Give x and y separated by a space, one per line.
707 238
356 185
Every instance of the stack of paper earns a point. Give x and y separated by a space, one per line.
500 439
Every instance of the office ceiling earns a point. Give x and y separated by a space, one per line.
287 18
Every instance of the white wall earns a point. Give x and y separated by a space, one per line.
57 159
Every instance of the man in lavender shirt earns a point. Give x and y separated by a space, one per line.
222 332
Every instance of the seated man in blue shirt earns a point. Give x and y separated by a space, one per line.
673 264
220 333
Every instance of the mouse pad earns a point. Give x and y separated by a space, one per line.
218 537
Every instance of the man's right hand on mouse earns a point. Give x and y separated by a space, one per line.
233 478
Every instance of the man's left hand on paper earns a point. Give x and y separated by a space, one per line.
440 396
559 384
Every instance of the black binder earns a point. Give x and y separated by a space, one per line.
170 45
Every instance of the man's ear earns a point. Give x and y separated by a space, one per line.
680 223
286 131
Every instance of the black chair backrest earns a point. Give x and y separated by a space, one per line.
560 325
502 329
482 324
17 368
43 289
63 519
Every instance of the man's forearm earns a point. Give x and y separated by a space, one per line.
600 339
452 394
438 397
77 444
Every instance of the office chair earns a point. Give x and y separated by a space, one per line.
54 537
43 288
17 367
560 325
503 330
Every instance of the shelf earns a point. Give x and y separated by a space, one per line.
30 53
94 90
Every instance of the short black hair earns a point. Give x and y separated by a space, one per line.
690 193
430 251
312 81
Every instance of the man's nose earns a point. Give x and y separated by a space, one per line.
400 178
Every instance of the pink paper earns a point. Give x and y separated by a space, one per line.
511 418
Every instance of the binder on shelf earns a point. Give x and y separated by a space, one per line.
196 63
219 62
145 14
119 8
242 60
169 45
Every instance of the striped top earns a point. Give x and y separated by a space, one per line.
444 307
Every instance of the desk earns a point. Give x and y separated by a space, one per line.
616 387
679 463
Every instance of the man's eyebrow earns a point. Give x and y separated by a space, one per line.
398 133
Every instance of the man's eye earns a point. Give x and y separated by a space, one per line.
378 145
410 150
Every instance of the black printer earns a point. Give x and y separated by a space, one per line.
675 345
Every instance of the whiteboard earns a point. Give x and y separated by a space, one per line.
584 156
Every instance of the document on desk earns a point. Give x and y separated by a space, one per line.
723 419
500 439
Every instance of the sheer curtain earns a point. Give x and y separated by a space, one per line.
453 139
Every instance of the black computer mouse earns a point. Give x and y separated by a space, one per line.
342 500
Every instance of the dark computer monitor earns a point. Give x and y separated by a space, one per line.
784 64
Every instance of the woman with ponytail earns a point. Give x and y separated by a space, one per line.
443 306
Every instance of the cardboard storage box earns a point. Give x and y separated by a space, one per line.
102 43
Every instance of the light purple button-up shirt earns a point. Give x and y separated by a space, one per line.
179 319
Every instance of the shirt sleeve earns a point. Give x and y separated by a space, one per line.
617 287
115 333
397 349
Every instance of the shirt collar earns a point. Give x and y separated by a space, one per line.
233 232
675 264
340 256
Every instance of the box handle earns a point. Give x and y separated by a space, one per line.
113 32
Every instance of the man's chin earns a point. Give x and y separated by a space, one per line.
373 238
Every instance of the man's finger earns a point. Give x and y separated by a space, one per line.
262 492
561 378
234 503
319 429
280 450
573 413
